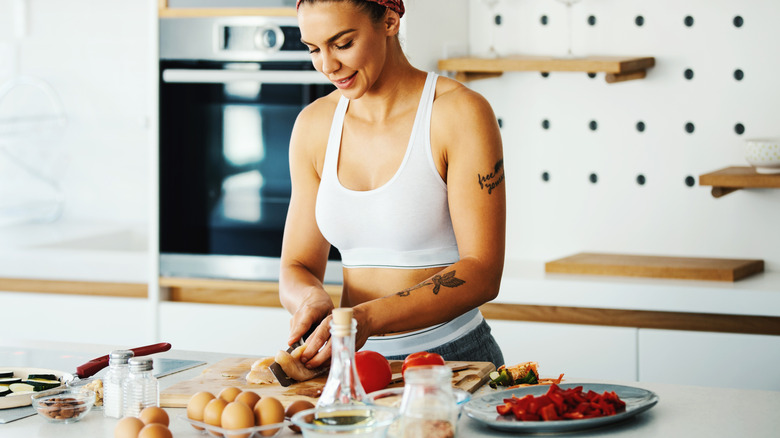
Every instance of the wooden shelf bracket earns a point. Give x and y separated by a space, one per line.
731 179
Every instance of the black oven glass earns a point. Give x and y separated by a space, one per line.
224 167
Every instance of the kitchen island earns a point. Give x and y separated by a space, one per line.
689 411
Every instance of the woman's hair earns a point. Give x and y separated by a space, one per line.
375 11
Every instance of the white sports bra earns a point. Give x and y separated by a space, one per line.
406 222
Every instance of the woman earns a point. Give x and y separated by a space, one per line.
402 171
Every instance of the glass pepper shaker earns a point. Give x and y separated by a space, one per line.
141 388
343 385
428 407
118 370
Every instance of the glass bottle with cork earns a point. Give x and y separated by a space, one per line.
343 386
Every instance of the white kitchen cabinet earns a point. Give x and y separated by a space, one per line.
241 330
726 360
578 351
75 318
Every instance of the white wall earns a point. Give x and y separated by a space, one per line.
95 54
569 214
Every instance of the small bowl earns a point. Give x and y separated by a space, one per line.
392 397
63 405
763 154
320 422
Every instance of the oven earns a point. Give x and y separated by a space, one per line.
230 91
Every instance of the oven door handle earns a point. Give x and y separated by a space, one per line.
184 76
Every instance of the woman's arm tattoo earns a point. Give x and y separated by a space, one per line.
492 179
447 279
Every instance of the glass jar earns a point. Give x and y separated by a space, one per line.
118 370
428 407
343 385
141 388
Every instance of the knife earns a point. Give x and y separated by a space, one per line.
277 370
93 366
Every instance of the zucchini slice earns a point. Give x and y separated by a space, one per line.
10 380
6 373
4 390
42 376
18 388
42 384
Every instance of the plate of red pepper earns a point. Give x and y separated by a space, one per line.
559 408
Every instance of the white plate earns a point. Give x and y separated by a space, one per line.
483 409
15 400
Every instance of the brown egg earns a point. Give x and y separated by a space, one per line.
155 430
196 405
229 394
128 427
268 411
212 414
237 415
298 406
249 398
153 414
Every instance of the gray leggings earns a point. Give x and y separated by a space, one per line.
477 345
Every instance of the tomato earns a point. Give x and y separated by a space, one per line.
373 370
421 358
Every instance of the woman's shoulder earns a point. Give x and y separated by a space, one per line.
453 100
454 97
321 109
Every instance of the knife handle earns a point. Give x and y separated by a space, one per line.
92 367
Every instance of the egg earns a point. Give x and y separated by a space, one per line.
298 406
268 411
212 414
248 398
155 430
197 404
128 427
229 394
153 414
237 415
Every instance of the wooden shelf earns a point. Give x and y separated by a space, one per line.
167 12
617 68
731 179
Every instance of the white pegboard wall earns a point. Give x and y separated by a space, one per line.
664 216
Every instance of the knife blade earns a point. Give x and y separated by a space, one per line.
277 370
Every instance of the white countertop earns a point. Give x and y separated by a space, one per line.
687 411
119 253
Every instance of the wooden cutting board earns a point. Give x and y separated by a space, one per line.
656 266
232 372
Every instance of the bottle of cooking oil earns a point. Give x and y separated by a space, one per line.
343 386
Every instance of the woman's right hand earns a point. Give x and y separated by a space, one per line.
311 312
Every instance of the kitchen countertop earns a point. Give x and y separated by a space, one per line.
688 411
111 252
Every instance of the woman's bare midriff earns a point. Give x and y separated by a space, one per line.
366 284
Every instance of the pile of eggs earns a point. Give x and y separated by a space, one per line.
152 422
236 409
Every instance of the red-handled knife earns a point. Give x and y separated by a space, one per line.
92 367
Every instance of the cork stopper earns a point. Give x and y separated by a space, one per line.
342 316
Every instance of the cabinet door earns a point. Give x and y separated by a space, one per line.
726 360
241 330
578 351
75 318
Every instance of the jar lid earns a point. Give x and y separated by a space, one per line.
120 357
138 364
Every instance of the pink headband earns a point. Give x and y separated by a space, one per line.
393 5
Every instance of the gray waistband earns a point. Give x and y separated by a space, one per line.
424 339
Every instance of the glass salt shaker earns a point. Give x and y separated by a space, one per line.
428 407
118 370
141 388
343 385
